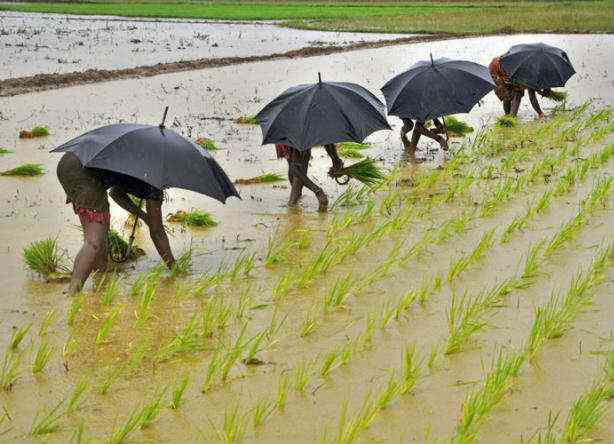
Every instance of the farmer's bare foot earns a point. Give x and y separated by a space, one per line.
322 201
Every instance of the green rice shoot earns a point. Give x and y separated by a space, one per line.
39 131
44 257
25 170
456 127
193 218
247 120
206 143
506 121
263 178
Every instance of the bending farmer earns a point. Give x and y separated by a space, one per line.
420 129
86 189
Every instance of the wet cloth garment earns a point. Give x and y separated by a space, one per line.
504 88
86 188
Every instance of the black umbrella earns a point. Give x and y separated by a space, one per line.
154 154
537 65
318 114
437 88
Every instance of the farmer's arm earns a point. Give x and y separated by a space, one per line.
157 232
123 200
439 128
535 103
331 150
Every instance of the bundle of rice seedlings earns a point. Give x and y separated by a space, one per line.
4 151
364 171
557 96
352 149
264 178
206 143
25 170
247 120
192 218
118 245
37 131
506 121
456 127
44 257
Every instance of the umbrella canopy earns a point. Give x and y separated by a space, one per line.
318 114
436 88
153 154
537 65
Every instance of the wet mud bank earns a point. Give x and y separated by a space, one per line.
42 82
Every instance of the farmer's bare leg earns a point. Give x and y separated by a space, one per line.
301 177
515 105
507 106
535 103
296 190
408 125
92 253
157 232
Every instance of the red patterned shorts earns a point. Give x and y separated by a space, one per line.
87 215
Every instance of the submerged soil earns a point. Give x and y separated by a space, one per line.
205 103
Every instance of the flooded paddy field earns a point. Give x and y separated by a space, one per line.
385 320
51 43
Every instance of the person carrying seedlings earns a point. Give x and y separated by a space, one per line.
298 164
420 129
86 189
511 93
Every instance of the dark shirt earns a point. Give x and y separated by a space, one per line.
129 184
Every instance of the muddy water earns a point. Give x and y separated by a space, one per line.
52 43
33 209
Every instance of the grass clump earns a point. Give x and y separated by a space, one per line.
37 131
44 257
586 412
263 178
247 120
193 218
4 151
364 171
456 127
206 143
506 121
25 170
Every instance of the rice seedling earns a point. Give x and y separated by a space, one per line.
506 121
502 193
233 355
4 151
46 323
461 264
47 422
262 410
557 96
111 284
247 120
105 327
178 391
477 405
319 265
213 369
42 356
337 295
587 411
44 257
543 202
364 171
182 264
405 303
465 318
432 358
263 178
548 436
518 223
349 429
566 233
282 392
78 436
9 372
609 366
366 337
386 314
131 423
254 348
192 218
274 327
110 379
151 410
143 309
329 363
241 267
300 377
186 340
206 143
598 196
18 336
350 153
411 369
39 131
76 397
455 127
388 392
308 325
233 428
353 146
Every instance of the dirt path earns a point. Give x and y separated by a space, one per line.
43 82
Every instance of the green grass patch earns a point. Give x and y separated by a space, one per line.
192 218
206 143
263 178
471 17
25 170
247 120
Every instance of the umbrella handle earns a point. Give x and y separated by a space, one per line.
124 255
164 117
342 182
